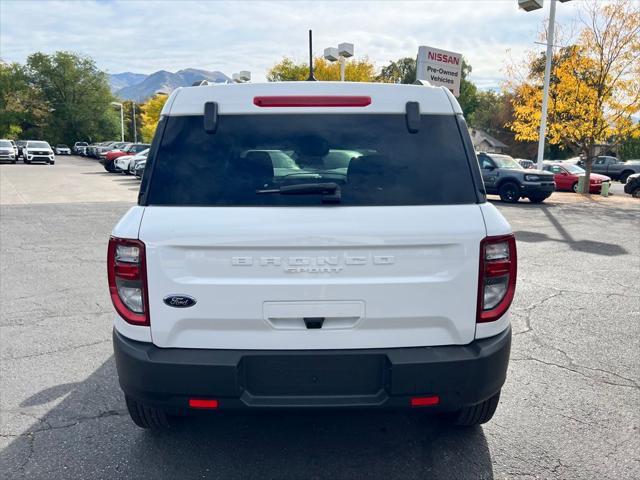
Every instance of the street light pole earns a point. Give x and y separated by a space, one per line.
545 90
117 104
135 130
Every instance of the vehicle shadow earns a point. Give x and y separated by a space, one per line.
587 246
89 435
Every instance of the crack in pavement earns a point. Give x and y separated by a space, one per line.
74 421
634 384
64 349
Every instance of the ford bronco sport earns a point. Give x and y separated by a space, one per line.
299 245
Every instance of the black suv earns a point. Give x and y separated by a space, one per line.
504 176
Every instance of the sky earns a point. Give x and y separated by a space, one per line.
144 36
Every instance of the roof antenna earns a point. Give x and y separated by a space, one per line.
311 77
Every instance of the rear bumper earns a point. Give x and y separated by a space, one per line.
263 379
546 188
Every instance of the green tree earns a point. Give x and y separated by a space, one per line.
78 97
23 108
399 71
629 148
356 70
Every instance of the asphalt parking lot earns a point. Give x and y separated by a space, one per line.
570 408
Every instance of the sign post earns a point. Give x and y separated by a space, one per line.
440 68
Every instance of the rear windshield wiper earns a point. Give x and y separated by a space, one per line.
330 191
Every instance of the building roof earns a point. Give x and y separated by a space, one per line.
478 136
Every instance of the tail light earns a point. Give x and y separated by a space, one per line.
497 282
127 273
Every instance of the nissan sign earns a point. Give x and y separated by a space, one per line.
440 68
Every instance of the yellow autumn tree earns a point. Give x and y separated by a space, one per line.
151 116
594 87
356 70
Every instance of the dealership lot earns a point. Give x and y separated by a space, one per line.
569 408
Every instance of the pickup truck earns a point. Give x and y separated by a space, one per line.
614 168
312 245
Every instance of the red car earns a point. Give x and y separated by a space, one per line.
131 149
566 177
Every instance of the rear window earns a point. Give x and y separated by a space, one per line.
277 160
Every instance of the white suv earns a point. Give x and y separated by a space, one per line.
380 280
38 151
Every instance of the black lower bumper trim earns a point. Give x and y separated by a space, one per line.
461 375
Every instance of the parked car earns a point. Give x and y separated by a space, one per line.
504 176
20 144
15 147
141 157
138 169
567 175
79 148
632 187
128 150
614 168
526 164
7 152
38 151
62 149
385 286
126 163
113 147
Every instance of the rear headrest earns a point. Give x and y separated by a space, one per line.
256 165
368 169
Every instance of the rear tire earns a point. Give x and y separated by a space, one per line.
147 417
477 414
624 176
509 192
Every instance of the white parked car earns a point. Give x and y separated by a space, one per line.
381 278
62 149
80 148
124 163
7 152
38 151
15 147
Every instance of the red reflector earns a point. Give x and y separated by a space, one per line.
313 101
497 269
202 403
425 401
128 271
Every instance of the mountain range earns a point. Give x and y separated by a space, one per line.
139 87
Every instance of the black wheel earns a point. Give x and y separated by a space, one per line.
537 199
27 161
624 176
509 192
52 163
636 193
147 417
477 414
14 161
574 187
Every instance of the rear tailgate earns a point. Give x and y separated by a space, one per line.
373 277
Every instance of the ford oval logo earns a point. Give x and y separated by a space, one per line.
179 301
